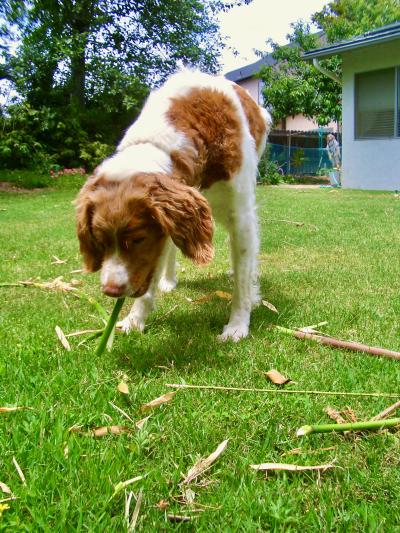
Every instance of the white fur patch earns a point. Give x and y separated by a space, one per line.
114 272
133 159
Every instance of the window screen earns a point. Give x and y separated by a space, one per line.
376 104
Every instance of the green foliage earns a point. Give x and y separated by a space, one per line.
86 67
92 153
269 172
295 86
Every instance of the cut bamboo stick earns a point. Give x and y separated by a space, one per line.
108 330
337 343
353 426
389 410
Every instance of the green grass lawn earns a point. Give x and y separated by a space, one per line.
342 266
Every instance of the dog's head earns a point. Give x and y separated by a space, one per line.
122 227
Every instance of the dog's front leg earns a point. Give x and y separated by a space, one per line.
244 244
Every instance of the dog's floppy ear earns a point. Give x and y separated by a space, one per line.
91 251
185 215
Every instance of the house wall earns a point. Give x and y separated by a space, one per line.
302 123
252 85
295 123
368 163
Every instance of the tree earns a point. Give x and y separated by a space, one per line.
91 62
295 86
80 45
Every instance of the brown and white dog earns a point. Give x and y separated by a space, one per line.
191 155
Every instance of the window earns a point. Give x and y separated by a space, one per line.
377 103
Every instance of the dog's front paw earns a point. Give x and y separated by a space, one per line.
167 285
130 323
233 332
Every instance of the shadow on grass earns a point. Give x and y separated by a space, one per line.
187 337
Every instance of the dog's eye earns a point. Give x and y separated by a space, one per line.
138 240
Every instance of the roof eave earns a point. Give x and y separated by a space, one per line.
341 48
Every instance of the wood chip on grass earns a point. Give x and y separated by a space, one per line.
123 388
205 464
62 338
270 306
276 377
5 488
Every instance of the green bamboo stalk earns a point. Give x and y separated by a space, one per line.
110 326
354 426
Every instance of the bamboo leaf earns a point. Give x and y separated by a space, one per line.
165 398
204 464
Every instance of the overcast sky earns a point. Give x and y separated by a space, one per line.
249 27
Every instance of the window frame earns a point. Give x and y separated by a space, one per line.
396 106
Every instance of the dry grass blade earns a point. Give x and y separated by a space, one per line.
165 398
290 467
11 409
204 464
179 518
58 261
140 423
270 306
136 511
123 388
128 499
123 484
62 338
5 488
334 415
83 332
12 498
19 471
122 412
276 377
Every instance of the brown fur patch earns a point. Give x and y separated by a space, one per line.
209 120
132 218
253 114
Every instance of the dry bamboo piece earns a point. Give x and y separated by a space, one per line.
281 391
389 410
337 343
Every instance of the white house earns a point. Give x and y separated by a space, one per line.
371 107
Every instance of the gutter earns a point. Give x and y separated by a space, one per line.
325 71
368 39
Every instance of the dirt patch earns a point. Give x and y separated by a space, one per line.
8 186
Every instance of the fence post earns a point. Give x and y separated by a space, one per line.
289 147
